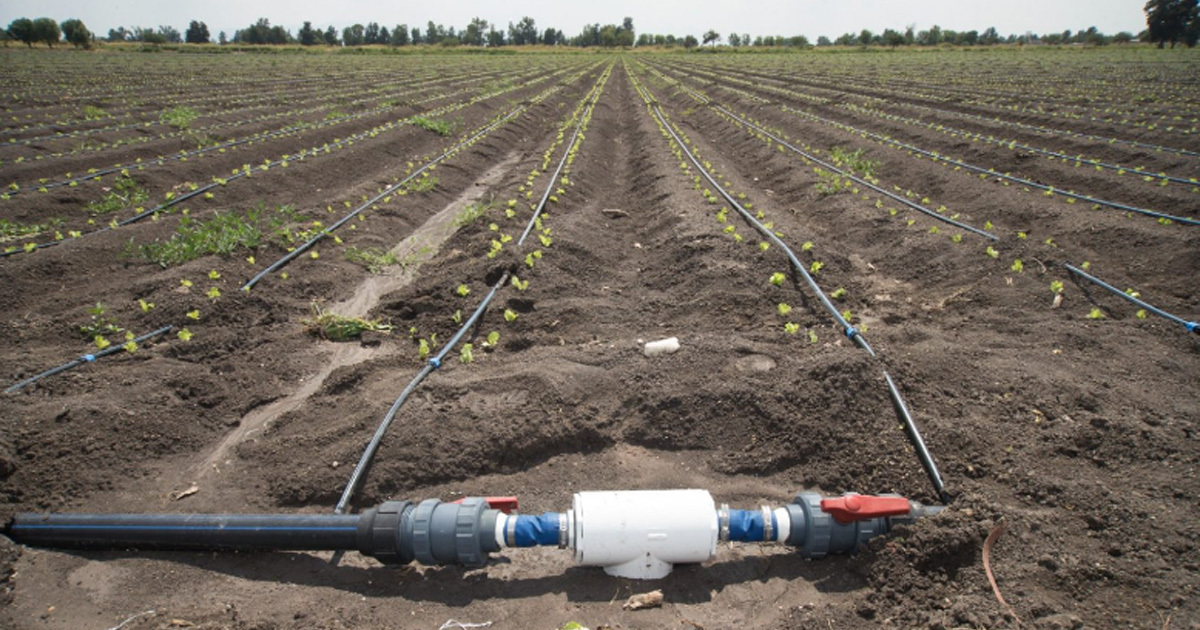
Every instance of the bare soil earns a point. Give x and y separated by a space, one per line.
1077 435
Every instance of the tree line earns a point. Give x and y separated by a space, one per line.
1168 22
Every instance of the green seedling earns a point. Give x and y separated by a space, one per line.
791 328
1096 314
467 354
777 279
1056 286
1018 266
510 316
333 327
838 293
991 251
463 290
783 309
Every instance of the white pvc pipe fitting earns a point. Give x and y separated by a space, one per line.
640 534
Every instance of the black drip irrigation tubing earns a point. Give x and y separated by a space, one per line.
852 333
87 358
889 194
290 256
1192 327
1013 144
207 187
1036 128
989 172
435 362
987 119
161 160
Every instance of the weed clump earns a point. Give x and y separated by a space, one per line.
125 192
372 259
333 327
180 117
223 234
440 127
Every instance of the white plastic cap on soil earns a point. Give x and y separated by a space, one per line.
662 346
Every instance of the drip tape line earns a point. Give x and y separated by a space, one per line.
851 333
1192 327
435 362
87 358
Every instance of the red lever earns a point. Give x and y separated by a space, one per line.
856 507
508 505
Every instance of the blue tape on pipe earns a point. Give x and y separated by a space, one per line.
531 531
746 525
90 358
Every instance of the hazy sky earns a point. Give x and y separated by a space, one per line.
680 17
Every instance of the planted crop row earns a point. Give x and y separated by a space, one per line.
191 190
1068 195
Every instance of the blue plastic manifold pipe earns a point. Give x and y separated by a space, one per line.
87 358
1192 327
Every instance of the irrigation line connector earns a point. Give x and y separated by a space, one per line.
87 358
1192 327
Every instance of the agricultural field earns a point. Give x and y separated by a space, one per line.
248 257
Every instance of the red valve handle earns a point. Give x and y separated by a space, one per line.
508 505
857 507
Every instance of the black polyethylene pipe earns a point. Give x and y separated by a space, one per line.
186 531
852 333
87 358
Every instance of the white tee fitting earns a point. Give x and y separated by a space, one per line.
640 534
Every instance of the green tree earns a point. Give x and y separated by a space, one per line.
525 32
76 33
690 41
197 33
307 35
47 31
1173 21
331 38
712 37
475 32
353 35
400 35
22 29
866 37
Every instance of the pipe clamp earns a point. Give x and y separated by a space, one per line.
768 530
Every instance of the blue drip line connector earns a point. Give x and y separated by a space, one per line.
90 358
749 526
1193 327
850 332
531 531
435 362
